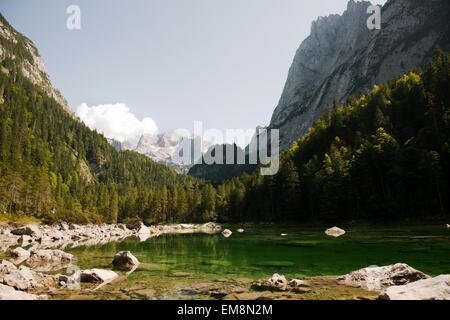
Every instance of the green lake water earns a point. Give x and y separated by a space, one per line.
260 251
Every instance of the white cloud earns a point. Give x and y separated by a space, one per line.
115 121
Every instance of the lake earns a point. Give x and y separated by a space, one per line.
172 261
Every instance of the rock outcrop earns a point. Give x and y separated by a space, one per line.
342 57
376 278
437 288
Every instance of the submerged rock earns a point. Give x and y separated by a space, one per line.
226 233
125 259
375 278
9 293
437 288
47 256
97 275
240 230
335 232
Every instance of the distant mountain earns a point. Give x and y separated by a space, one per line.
342 58
161 148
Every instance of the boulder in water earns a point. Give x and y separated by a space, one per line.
335 232
375 278
226 233
125 259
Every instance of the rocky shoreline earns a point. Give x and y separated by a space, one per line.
34 253
26 275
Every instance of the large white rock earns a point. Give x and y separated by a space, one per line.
335 232
375 278
437 288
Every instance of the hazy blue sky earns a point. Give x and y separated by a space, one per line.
220 61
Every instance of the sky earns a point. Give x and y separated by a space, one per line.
147 66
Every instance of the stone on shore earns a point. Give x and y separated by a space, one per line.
20 253
9 293
30 230
25 240
6 266
437 288
335 232
375 278
276 282
226 233
5 231
20 279
49 256
125 259
294 283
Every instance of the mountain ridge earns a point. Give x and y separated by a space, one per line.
343 58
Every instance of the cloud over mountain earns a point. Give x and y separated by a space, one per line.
115 121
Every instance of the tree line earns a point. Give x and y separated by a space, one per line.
382 156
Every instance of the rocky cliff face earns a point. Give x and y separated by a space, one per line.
342 57
18 54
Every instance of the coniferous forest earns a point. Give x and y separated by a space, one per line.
383 156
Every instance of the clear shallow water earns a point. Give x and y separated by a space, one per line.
260 251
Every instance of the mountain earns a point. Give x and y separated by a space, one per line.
161 148
383 157
18 54
54 168
343 58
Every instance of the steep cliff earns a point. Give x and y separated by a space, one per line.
18 54
342 58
